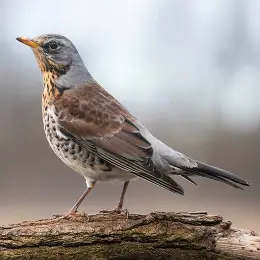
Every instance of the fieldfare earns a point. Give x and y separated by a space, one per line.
92 133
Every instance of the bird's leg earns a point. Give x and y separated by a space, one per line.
121 201
119 207
74 209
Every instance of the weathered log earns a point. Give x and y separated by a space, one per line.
159 235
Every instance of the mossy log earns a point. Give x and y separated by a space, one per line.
159 235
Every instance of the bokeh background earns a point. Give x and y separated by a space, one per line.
188 69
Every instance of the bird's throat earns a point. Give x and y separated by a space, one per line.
50 91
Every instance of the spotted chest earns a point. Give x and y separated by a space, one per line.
73 155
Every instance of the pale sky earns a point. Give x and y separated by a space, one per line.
201 54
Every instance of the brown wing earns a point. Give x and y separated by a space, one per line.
89 113
94 119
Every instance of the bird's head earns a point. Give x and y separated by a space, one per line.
59 59
53 52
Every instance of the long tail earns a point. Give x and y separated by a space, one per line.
214 173
186 167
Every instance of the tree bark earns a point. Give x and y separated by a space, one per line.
159 235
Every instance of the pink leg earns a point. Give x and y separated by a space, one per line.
121 201
74 209
119 207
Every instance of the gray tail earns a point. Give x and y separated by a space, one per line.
217 174
214 173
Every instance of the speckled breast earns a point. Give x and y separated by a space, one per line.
72 154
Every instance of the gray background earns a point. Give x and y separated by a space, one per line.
188 69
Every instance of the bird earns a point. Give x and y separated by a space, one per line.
97 137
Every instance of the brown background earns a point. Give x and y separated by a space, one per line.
189 70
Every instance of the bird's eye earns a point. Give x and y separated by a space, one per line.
53 45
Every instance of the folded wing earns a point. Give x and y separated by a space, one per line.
98 122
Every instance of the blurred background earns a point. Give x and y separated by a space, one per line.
188 69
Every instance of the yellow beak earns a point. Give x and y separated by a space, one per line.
28 42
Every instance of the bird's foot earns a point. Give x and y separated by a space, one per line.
69 215
116 211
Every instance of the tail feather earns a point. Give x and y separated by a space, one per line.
189 179
209 170
217 178
217 174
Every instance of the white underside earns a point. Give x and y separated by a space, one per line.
94 175
91 175
86 171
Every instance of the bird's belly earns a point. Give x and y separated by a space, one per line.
79 159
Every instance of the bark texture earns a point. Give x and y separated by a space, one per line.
159 235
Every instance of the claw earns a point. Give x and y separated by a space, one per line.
69 215
116 211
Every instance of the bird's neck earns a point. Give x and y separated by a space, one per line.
49 89
76 75
55 84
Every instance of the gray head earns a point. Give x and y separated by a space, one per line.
57 54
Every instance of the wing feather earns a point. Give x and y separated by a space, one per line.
98 122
